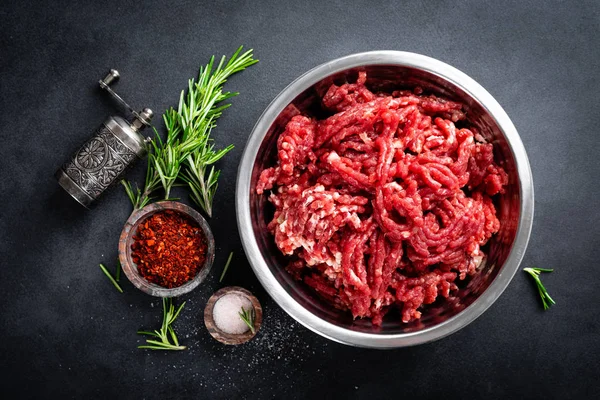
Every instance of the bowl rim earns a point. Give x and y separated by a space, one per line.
126 238
382 340
231 338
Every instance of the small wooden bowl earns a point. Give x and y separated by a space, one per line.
126 240
228 338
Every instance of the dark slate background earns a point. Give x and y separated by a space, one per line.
66 331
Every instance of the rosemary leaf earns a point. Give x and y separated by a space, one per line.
173 336
103 268
248 317
226 267
147 333
118 273
133 197
178 311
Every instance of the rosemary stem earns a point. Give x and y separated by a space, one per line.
161 347
547 301
205 196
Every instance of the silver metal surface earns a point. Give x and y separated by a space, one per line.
80 195
101 161
143 117
125 132
388 70
105 83
112 76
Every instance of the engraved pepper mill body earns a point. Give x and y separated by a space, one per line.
102 160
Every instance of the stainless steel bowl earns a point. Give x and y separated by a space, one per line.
388 70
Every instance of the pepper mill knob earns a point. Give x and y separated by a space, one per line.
142 119
112 75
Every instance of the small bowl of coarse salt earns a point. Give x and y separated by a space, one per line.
233 315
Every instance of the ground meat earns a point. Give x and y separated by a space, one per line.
384 203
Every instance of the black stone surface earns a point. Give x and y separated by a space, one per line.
65 331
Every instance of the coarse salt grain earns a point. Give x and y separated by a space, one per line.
226 313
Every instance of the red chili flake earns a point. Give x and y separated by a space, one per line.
169 248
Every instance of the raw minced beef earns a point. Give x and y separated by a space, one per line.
386 202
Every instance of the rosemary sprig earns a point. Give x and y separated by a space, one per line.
110 277
162 170
188 138
547 301
135 196
166 332
200 174
226 267
248 317
203 186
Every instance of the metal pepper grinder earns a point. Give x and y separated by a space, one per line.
102 160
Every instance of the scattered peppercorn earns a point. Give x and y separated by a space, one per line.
169 248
